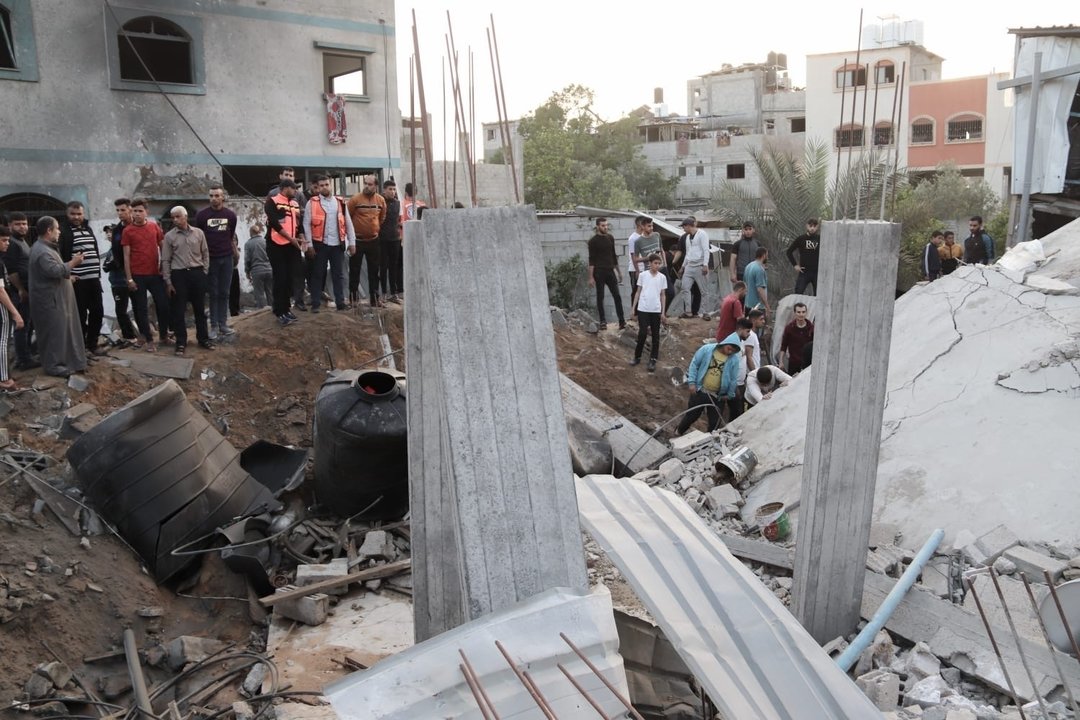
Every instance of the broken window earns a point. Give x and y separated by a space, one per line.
922 131
490 135
884 73
798 125
883 134
345 74
155 49
7 41
963 128
849 137
850 76
736 171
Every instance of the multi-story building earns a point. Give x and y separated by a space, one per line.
159 98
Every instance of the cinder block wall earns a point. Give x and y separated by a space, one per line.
563 236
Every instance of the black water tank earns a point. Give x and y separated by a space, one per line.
360 445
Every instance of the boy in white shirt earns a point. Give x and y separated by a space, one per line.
650 300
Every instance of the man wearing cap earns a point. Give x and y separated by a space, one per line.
743 252
695 266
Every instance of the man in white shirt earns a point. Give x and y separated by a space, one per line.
635 265
695 266
761 383
650 302
330 230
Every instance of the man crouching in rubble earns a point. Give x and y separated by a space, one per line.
713 379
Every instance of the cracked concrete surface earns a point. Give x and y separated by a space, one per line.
982 408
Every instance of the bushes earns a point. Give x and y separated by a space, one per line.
565 281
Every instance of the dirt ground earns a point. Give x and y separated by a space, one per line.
78 599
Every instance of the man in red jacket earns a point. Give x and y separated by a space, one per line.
731 310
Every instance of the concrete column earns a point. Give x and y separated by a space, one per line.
852 336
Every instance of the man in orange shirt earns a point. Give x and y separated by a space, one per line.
367 209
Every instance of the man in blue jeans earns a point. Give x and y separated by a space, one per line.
328 226
218 223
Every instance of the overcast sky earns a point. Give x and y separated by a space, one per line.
623 50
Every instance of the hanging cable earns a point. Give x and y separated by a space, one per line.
160 89
386 95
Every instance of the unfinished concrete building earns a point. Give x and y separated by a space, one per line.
148 97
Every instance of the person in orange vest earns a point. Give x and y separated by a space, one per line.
367 209
330 230
283 246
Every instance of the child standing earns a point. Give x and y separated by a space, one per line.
649 302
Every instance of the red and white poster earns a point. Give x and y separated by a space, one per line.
337 130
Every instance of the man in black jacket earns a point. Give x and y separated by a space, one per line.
807 245
77 237
390 279
604 271
931 264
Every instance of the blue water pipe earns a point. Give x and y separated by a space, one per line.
863 640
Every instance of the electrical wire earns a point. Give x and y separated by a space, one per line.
386 95
161 90
673 419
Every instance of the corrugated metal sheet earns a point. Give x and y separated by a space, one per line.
745 648
1055 100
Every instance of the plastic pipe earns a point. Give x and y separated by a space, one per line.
863 640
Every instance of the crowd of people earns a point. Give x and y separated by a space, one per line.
942 255
51 279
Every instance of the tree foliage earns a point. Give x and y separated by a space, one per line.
572 157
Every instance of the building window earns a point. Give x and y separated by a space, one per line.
884 73
490 135
850 76
964 128
699 170
770 126
18 55
798 125
849 136
736 171
883 134
922 131
345 74
682 171
151 51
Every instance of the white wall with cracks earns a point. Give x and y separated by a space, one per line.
982 415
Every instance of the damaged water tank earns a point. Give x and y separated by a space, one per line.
361 458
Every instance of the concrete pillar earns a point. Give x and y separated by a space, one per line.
490 476
847 400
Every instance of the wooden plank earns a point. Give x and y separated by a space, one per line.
762 552
374 573
625 441
847 402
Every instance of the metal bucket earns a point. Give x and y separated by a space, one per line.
773 521
736 466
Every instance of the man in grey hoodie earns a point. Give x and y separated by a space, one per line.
257 267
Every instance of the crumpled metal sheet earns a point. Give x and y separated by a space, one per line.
159 472
748 652
426 682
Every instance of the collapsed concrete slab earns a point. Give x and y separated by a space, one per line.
971 439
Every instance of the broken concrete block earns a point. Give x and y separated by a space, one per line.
1004 566
1027 624
50 709
190 649
254 681
882 687
835 647
79 383
995 542
691 445
921 663
882 649
57 672
38 687
377 545
927 692
649 477
883 534
961 714
879 562
935 577
671 471
242 711
1033 563
309 609
723 495
113 686
310 574
726 511
951 675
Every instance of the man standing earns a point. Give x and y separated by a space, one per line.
52 300
695 267
283 247
808 246
712 379
185 255
650 302
731 311
142 241
118 272
77 237
302 271
643 227
218 224
17 261
757 281
978 247
951 253
743 252
327 225
604 271
257 268
797 335
931 259
367 209
390 243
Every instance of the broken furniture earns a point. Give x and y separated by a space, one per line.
361 457
159 472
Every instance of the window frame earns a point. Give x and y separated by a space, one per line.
193 26
845 70
880 126
359 52
851 129
881 65
735 171
969 116
792 121
924 120
23 41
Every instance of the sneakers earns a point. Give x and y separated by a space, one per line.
685 316
207 345
706 317
299 305
635 361
651 367
285 320
622 326
291 317
314 309
602 326
225 330
214 332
